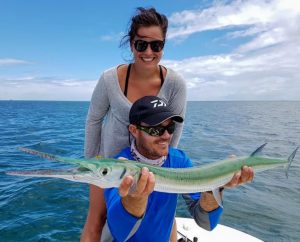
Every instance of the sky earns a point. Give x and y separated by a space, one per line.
225 50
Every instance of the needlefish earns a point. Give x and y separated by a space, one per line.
108 173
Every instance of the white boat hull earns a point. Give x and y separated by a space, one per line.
187 230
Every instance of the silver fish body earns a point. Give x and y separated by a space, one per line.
107 173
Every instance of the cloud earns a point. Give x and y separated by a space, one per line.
266 67
112 37
9 61
268 74
237 13
45 88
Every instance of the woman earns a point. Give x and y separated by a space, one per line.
117 89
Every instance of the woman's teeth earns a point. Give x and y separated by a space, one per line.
147 59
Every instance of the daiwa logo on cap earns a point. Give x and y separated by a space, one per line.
158 103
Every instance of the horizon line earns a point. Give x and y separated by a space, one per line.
233 100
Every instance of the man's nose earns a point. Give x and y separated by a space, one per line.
166 135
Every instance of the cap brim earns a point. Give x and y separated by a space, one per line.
156 119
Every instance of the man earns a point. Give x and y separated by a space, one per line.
141 214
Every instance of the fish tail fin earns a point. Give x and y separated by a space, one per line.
290 160
47 156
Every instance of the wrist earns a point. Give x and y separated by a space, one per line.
208 202
136 206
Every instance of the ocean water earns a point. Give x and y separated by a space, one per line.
44 209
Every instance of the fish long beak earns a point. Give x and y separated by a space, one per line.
71 175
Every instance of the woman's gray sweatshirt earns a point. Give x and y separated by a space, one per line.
106 131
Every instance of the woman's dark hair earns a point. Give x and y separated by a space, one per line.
145 17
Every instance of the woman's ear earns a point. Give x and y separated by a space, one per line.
133 130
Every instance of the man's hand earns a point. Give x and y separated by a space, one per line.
245 175
135 202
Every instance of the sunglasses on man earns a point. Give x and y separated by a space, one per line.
142 45
158 130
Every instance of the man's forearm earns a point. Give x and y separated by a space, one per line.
208 202
205 211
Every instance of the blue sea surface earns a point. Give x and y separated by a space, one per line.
45 209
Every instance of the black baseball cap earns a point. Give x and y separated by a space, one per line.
152 110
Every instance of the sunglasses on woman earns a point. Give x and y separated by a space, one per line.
158 130
142 45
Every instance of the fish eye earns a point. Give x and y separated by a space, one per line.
104 171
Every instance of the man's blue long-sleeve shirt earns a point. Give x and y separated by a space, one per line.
156 224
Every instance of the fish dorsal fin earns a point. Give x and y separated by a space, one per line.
258 150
